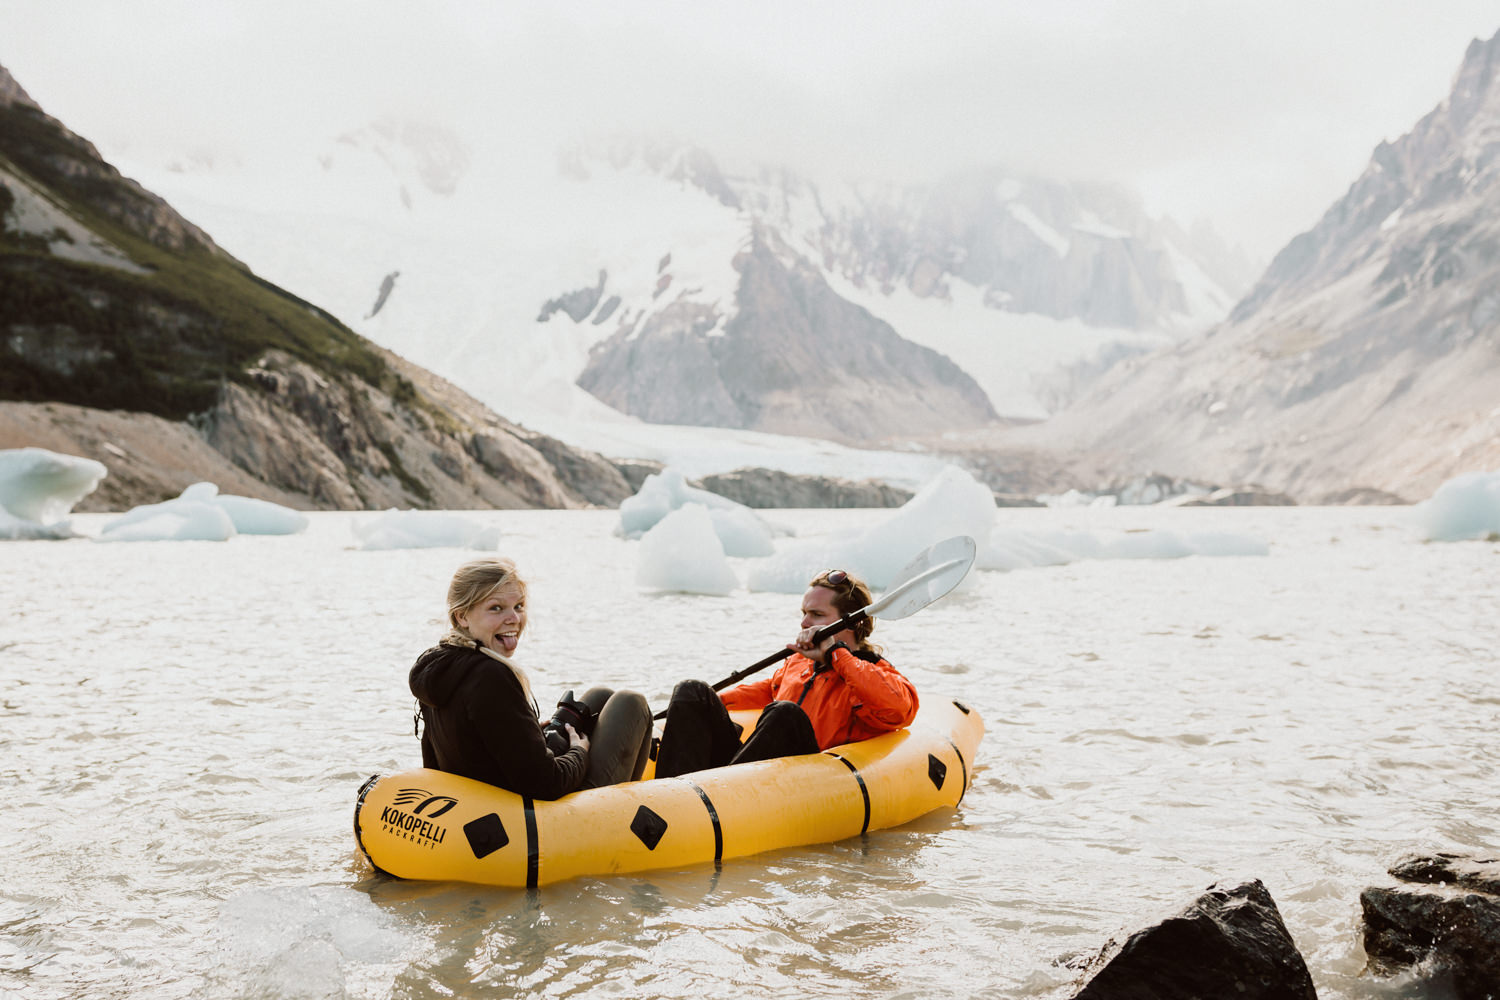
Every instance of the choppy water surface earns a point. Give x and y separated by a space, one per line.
184 726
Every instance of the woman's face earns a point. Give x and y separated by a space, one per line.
499 619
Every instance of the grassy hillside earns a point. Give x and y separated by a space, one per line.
159 342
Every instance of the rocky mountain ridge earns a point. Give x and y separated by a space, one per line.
506 268
1066 250
1071 253
1366 357
791 355
160 355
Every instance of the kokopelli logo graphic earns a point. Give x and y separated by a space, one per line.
406 796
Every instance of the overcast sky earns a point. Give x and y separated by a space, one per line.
1255 115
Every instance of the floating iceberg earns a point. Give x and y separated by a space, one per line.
250 516
38 489
200 514
952 503
742 532
682 552
425 529
1465 507
1010 549
171 521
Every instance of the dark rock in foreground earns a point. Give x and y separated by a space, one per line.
1450 932
1229 942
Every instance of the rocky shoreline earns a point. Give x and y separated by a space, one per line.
1441 926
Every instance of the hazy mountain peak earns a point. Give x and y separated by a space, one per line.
666 157
1366 355
11 92
1447 158
45 154
418 154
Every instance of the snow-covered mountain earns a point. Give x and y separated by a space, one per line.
1368 355
503 270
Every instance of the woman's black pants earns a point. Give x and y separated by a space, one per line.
699 733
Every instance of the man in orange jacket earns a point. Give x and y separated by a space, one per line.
826 694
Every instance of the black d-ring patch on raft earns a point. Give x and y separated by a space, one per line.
359 803
486 835
863 791
533 861
713 817
964 788
648 826
937 771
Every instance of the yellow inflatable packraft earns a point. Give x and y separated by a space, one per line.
425 824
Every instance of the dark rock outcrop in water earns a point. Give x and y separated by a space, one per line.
1248 496
770 488
1229 942
1446 919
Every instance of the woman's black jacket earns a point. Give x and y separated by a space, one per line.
480 724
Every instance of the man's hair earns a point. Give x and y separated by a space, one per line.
850 594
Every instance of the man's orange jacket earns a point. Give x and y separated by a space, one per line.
857 696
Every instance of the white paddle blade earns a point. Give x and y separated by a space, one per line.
934 572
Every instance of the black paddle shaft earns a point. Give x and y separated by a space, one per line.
823 633
818 636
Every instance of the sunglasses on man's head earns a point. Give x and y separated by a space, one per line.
836 577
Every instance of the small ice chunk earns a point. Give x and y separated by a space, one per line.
1463 508
250 516
18 529
682 552
38 489
951 503
742 531
200 513
1011 549
176 520
424 529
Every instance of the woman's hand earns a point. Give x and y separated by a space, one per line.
575 739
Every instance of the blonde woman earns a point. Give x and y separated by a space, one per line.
480 718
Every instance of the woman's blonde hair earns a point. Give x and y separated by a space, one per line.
472 583
850 593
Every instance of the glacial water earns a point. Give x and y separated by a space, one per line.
183 727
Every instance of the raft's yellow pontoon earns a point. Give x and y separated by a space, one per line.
424 824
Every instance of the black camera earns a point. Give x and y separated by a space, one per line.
569 712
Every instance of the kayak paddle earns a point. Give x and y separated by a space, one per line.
934 572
